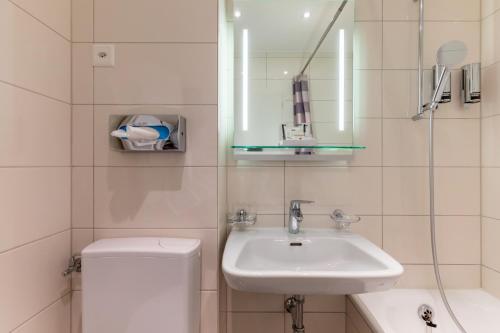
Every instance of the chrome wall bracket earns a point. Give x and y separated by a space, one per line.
242 219
471 83
75 265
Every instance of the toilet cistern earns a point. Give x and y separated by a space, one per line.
295 216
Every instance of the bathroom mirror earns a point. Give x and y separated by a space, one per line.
273 40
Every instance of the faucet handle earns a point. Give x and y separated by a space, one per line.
296 203
343 221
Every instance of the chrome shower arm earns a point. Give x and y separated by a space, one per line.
323 37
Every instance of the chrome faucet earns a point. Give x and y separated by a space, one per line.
295 216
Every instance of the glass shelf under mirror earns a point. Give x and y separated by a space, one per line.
327 147
294 153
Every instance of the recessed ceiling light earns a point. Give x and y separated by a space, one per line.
307 15
285 72
237 14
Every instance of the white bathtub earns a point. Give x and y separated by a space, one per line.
395 311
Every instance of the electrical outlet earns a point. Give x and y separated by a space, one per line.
104 55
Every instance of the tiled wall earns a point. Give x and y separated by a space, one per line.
490 129
166 62
387 183
35 175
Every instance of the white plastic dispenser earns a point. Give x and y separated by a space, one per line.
141 285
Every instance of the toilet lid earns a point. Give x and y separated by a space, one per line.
143 246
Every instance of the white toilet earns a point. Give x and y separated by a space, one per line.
141 285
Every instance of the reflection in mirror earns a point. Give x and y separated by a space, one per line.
274 103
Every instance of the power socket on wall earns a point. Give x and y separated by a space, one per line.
104 55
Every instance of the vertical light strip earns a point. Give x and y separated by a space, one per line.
341 95
244 72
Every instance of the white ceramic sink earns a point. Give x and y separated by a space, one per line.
315 261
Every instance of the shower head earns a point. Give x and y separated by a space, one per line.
448 55
451 53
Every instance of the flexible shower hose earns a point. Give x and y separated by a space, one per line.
433 225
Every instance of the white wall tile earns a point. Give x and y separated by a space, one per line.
454 277
490 46
34 129
31 279
406 191
76 312
490 137
82 74
355 321
209 312
325 304
367 94
258 189
82 197
155 197
453 10
407 238
456 142
255 322
82 132
330 188
438 10
468 32
491 243
82 20
491 281
35 203
238 301
405 142
490 192
56 14
23 64
159 74
488 42
488 7
368 10
399 93
490 84
53 319
156 21
400 10
269 221
404 35
368 45
368 133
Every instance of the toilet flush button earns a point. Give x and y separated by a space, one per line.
104 55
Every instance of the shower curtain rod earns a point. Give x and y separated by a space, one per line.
322 39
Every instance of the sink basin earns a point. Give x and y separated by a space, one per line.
315 261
